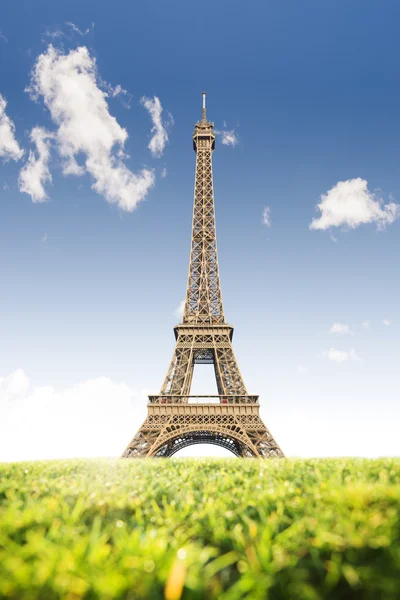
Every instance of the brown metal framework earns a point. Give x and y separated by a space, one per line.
176 419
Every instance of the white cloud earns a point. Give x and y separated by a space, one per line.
340 328
98 417
266 216
9 147
93 418
180 309
365 324
15 384
386 322
35 173
164 173
68 84
350 204
301 369
228 137
3 37
43 239
339 356
308 432
159 138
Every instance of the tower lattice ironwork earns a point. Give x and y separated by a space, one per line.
230 419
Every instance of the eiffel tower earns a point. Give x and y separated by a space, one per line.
175 419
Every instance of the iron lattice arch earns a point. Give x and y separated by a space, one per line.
231 418
203 437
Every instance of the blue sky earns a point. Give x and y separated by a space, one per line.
310 92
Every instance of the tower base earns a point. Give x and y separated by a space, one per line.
230 422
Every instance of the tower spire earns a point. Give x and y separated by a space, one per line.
203 111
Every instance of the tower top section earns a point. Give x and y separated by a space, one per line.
203 136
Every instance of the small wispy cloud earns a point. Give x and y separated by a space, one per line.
159 138
117 92
43 239
180 310
3 37
229 137
386 322
54 34
35 173
366 324
164 173
9 147
301 369
340 356
266 216
340 328
79 31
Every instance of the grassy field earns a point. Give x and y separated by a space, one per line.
226 529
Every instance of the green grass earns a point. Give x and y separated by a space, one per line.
226 529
